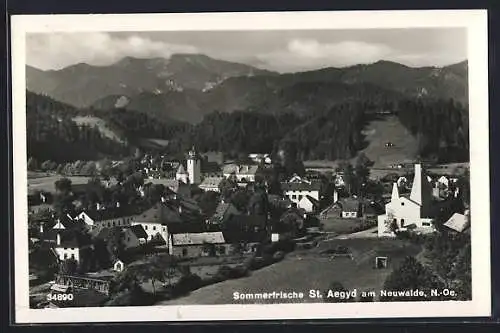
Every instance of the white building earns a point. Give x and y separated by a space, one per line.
402 211
104 218
181 174
304 193
194 167
70 245
243 173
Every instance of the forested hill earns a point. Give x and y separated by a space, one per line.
328 133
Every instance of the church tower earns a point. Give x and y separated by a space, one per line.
194 167
421 190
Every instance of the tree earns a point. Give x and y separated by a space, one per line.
68 267
115 244
411 275
32 164
63 185
227 187
240 199
208 202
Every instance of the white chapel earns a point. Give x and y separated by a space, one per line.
406 211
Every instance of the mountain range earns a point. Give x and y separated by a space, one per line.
186 87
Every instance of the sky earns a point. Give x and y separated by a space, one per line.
282 51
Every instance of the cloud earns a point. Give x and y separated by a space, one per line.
309 53
58 50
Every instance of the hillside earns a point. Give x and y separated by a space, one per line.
83 84
101 125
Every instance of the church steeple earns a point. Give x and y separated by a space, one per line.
395 192
421 190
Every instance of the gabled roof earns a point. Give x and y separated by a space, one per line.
138 231
312 200
198 238
109 213
211 182
457 222
159 214
244 169
181 170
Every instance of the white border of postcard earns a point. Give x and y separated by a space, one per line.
475 21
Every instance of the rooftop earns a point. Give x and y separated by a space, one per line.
198 238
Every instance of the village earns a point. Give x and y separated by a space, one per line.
167 227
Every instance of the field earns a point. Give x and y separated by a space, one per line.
340 225
100 124
301 271
46 183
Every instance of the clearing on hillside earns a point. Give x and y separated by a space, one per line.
100 124
389 142
47 184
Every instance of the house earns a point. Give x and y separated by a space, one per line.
260 158
118 266
243 173
332 211
181 174
198 244
458 222
309 204
351 208
245 229
298 188
444 181
211 184
106 218
403 211
223 211
134 236
72 245
167 217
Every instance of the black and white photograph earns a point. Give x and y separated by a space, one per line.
250 166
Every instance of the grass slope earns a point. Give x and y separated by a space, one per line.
99 124
388 129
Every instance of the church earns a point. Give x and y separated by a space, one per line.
193 173
403 211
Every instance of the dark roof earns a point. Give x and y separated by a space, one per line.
249 228
301 186
186 227
101 234
350 205
138 231
160 214
109 213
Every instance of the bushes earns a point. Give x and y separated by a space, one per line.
186 284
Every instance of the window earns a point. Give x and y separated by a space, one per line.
184 252
294 196
402 222
426 224
154 227
114 223
402 204
65 256
300 197
72 256
164 228
145 227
